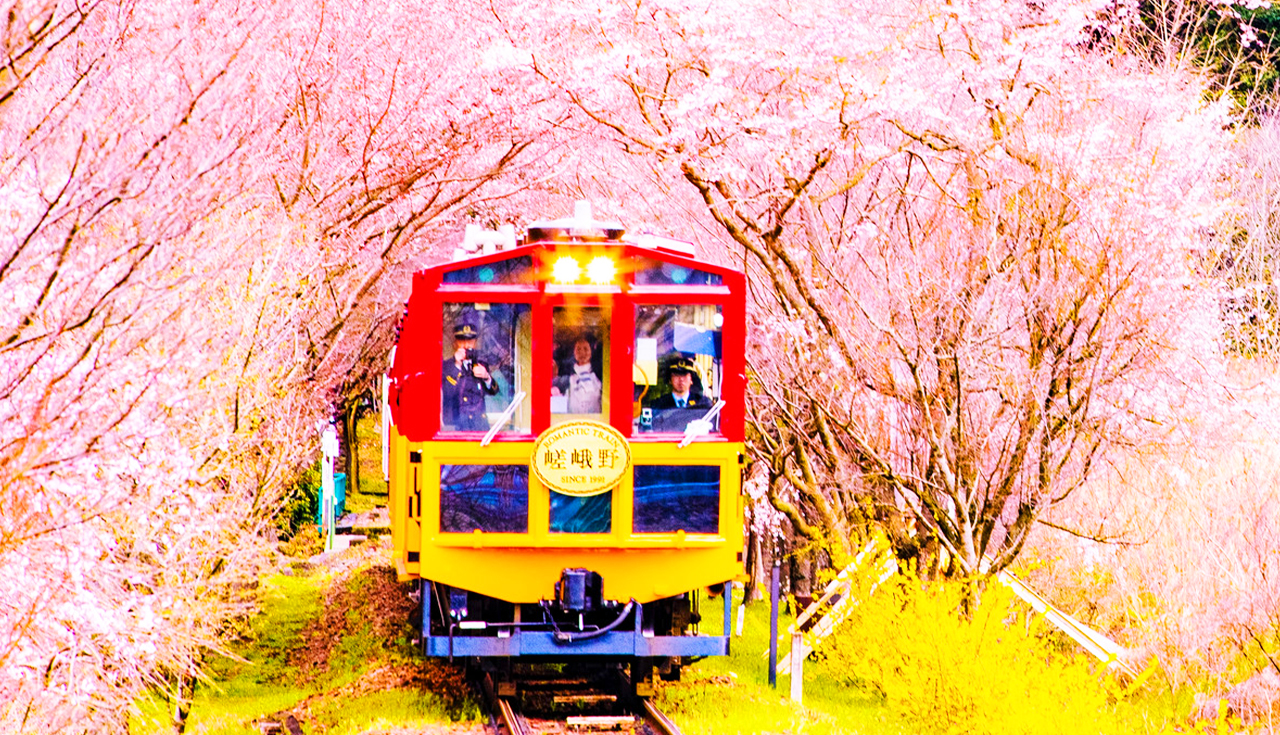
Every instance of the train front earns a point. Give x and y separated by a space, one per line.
566 445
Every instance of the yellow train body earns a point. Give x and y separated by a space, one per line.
524 567
565 448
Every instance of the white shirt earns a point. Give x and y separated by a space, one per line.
585 390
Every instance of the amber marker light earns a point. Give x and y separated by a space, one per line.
601 270
566 270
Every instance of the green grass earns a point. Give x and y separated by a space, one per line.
731 694
264 681
720 696
240 691
332 648
388 709
288 603
1019 683
373 489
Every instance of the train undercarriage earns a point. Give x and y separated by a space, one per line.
660 635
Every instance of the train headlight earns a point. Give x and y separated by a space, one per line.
601 270
566 270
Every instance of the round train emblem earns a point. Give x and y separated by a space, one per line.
581 458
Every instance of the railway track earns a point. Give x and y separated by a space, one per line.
559 704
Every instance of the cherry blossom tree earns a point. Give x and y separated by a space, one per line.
1176 545
128 520
1234 43
1244 248
962 217
398 132
1179 562
200 204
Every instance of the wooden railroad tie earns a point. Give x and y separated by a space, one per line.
583 698
603 722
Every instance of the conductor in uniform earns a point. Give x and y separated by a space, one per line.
464 383
685 402
682 393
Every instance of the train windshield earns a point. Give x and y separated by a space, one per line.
650 272
485 367
678 370
580 377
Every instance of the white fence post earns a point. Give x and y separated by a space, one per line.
797 667
384 425
328 451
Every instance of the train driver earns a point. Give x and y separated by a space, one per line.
464 382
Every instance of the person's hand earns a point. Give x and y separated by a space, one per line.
459 355
555 390
480 371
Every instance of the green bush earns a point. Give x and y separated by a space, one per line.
299 507
944 663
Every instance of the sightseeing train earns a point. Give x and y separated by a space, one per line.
565 445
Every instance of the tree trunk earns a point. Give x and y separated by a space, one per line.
182 691
801 579
756 567
350 416
751 590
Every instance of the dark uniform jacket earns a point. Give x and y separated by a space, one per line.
696 400
462 397
667 416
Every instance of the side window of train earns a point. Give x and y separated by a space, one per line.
678 370
676 498
490 498
580 376
485 365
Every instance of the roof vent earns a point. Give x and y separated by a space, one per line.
582 227
479 241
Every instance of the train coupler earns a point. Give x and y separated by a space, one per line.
579 590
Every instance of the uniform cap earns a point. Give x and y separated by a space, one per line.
683 365
465 331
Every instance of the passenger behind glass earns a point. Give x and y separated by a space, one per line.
685 402
464 382
582 388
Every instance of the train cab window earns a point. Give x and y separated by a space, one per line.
650 272
676 498
489 498
512 270
678 370
580 376
574 514
485 366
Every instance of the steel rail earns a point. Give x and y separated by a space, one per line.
654 718
503 717
512 720
507 719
